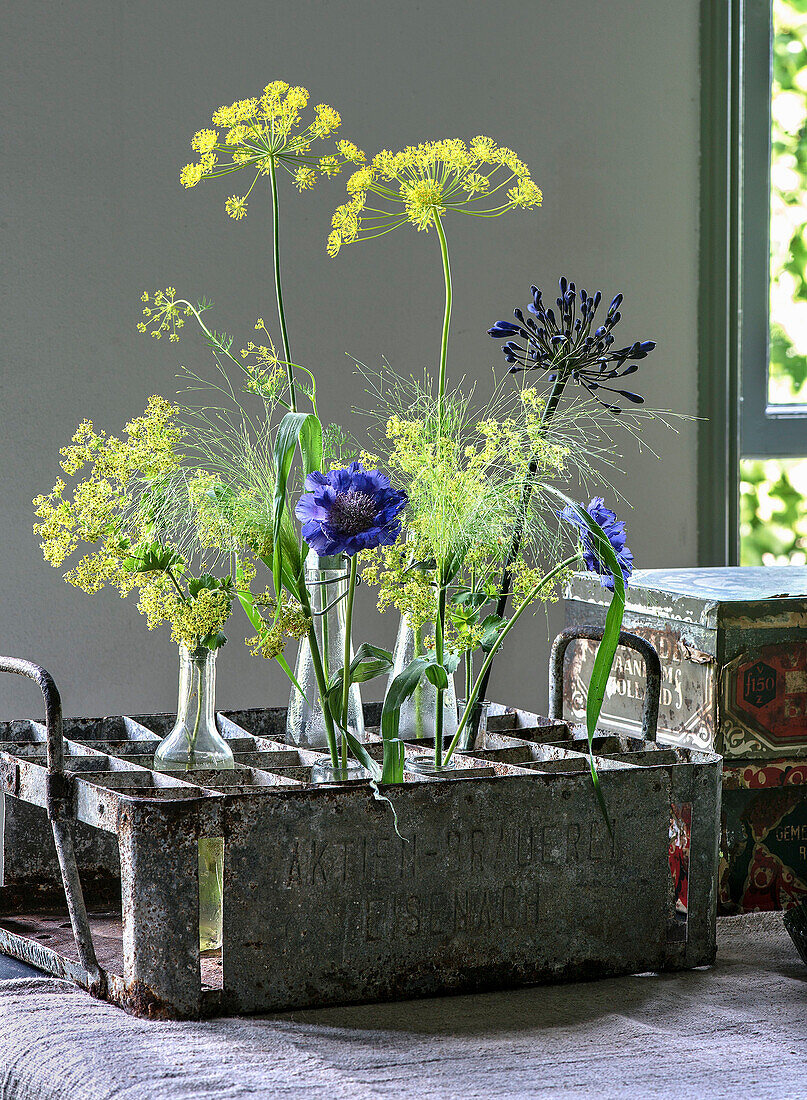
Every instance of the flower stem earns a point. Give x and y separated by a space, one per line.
441 383
278 286
319 673
439 653
506 583
470 703
351 592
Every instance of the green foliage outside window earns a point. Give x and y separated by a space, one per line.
773 492
788 343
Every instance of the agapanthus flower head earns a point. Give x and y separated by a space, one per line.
348 510
571 344
269 130
614 530
422 182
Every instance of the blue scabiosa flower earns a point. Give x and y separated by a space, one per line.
615 532
349 510
572 344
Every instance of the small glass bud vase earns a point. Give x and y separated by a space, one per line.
327 581
418 713
194 744
327 772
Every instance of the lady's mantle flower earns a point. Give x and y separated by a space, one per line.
349 510
421 182
615 532
565 345
266 131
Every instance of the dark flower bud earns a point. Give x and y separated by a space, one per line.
563 284
647 346
503 328
518 315
615 304
596 299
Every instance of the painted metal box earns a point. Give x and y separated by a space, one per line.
733 649
763 843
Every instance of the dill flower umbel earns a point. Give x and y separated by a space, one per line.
267 132
422 182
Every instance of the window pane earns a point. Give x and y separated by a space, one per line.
787 374
773 511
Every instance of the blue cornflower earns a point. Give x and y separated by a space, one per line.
615 532
349 510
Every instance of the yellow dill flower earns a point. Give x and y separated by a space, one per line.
421 183
205 141
305 177
190 175
236 207
268 132
329 166
165 314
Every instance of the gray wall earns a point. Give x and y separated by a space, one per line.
100 100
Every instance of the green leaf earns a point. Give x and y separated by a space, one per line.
437 675
296 429
492 627
152 557
214 641
369 662
603 662
198 584
284 664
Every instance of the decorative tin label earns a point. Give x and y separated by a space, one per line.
686 712
764 696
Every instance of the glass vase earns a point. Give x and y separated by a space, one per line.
327 581
194 744
418 713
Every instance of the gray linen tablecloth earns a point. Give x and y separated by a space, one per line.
738 1029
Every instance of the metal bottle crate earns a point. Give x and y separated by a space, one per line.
504 875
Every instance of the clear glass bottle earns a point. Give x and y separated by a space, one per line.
327 580
419 712
194 744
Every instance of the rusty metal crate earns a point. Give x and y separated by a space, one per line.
502 876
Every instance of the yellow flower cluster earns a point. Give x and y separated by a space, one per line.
266 377
94 513
464 483
163 313
267 132
288 624
422 182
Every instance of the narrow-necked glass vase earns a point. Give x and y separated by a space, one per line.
418 713
327 581
194 744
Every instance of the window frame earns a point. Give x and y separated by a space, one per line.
738 421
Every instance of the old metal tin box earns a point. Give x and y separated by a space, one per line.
733 648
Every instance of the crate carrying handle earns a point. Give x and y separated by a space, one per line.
60 813
652 667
